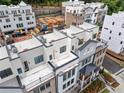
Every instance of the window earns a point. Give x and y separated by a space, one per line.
69 74
89 59
84 62
47 84
72 80
68 83
38 59
23 11
110 31
42 88
5 73
50 57
18 11
119 33
27 18
95 14
94 36
62 49
101 59
19 70
64 86
19 25
123 25
109 38
20 18
121 42
81 41
73 47
36 90
73 71
106 28
113 23
7 20
64 77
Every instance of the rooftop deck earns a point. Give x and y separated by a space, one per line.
87 26
27 44
37 76
72 30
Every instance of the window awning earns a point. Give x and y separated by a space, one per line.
88 69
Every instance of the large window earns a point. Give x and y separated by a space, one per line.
69 74
19 70
64 86
42 88
27 18
68 83
62 49
36 90
38 59
64 77
5 73
73 71
47 84
7 20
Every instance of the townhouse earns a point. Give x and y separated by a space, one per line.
90 51
63 61
113 32
50 63
19 17
76 12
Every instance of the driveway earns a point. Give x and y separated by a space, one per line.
111 66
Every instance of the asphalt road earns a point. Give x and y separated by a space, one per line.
110 65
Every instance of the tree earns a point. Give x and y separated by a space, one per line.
5 2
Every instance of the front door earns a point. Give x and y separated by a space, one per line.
26 66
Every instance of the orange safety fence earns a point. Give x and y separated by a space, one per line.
18 39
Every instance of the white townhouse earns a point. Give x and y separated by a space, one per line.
50 63
91 12
63 61
90 51
113 32
25 68
16 17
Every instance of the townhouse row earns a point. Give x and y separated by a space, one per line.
63 61
19 17
93 13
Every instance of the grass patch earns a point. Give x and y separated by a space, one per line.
106 91
108 77
94 87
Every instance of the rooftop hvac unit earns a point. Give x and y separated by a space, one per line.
43 39
14 49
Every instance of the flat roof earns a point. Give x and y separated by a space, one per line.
37 76
27 44
52 37
55 35
69 57
87 26
3 52
72 30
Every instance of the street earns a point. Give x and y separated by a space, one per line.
111 66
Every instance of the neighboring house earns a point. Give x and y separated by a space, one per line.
50 63
19 17
76 12
113 32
